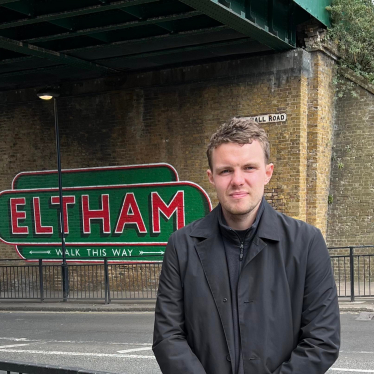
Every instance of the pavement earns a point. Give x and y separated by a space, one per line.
346 306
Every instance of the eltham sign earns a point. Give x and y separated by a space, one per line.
123 213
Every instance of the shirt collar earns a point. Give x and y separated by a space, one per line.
227 231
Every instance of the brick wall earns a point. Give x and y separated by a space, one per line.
320 119
169 115
350 215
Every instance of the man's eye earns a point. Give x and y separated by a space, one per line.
226 171
249 168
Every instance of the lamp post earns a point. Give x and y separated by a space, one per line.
48 94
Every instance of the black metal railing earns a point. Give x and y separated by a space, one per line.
108 280
105 279
353 270
25 368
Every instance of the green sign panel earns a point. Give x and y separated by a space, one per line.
122 213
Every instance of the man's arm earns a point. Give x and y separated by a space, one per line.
170 346
319 341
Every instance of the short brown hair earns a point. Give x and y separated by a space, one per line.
241 130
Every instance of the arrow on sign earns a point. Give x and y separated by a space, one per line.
151 253
38 252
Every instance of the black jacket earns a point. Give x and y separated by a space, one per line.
287 301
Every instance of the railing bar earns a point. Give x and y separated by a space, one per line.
97 284
17 281
125 278
140 267
345 280
154 278
370 276
113 287
339 273
364 277
27 280
74 279
85 289
10 280
358 275
133 281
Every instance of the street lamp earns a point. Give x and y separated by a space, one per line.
49 94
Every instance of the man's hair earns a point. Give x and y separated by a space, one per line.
240 130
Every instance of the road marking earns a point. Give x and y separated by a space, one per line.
135 350
12 346
353 370
75 353
70 341
357 352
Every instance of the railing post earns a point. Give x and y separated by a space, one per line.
65 281
352 273
106 276
41 284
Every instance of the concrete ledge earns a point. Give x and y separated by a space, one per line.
123 306
77 306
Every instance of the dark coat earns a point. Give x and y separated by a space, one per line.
287 301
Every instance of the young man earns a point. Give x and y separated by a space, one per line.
245 290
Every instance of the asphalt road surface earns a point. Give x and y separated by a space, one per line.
121 342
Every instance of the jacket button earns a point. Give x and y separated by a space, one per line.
225 300
228 358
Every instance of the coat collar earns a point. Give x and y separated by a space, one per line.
268 227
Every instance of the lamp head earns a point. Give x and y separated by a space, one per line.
48 93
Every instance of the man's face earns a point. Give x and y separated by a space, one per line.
239 176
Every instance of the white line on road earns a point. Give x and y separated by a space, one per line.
355 352
135 350
75 353
353 370
69 341
12 346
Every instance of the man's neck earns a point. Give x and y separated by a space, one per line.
241 221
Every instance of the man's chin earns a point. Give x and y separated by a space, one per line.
239 211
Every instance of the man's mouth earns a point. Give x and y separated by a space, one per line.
239 194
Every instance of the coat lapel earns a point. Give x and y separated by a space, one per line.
267 229
211 252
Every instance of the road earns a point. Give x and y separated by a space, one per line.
121 342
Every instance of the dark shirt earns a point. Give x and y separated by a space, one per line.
237 244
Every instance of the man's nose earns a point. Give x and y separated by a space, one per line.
237 178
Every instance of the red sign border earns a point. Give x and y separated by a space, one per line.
79 170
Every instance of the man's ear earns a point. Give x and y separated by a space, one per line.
269 172
210 177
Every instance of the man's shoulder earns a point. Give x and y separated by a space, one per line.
201 227
292 226
188 229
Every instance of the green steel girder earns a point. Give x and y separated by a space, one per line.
32 71
61 58
317 8
149 39
137 13
75 13
187 49
7 1
238 15
26 7
120 26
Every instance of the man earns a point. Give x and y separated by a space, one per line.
245 290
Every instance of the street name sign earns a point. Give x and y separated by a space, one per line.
269 118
